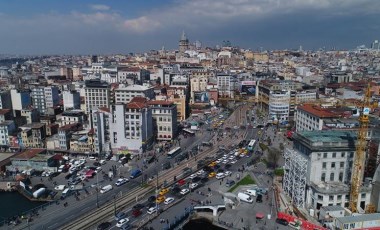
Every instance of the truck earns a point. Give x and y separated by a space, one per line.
245 197
106 188
39 192
135 173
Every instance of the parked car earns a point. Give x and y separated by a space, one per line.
151 199
193 185
104 225
136 212
169 200
230 183
184 191
282 221
120 215
138 206
122 222
259 198
163 191
121 181
152 210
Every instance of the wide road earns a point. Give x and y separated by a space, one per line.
56 215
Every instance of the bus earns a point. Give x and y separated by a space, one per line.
174 152
251 145
188 132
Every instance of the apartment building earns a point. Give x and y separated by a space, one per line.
164 114
132 126
318 170
97 94
32 135
101 125
132 75
20 99
71 100
226 85
44 98
72 117
7 129
124 94
64 134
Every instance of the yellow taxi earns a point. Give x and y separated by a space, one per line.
211 174
212 164
163 191
160 199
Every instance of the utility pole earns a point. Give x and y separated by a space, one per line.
97 190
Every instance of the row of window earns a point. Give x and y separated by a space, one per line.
335 154
332 177
332 165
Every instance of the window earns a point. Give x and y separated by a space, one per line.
339 197
363 195
341 177
332 165
320 197
331 198
324 165
343 154
341 164
324 155
333 155
323 177
332 177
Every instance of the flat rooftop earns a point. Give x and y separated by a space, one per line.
329 135
4 156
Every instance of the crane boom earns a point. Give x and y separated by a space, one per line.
360 154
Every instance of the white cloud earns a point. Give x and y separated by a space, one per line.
203 13
100 7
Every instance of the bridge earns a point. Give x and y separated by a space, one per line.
213 208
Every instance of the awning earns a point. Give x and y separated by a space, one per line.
259 215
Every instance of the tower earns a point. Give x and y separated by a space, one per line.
183 43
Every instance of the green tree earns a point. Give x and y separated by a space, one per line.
273 157
282 146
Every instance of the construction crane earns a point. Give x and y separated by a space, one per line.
360 155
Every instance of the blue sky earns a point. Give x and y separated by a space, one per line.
122 26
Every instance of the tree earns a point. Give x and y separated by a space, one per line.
273 157
269 141
263 147
282 147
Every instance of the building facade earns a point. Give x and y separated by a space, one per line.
97 94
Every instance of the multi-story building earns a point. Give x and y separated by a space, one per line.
132 75
32 135
31 115
318 170
7 129
314 117
72 117
71 100
97 94
5 100
20 99
44 98
101 125
226 85
132 126
165 119
64 134
124 94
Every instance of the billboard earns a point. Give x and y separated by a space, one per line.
201 97
248 87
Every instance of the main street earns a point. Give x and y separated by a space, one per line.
56 214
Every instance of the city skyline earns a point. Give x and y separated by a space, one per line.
105 27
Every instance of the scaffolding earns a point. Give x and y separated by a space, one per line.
294 183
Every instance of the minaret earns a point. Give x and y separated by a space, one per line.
183 43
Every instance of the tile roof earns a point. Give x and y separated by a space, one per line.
28 154
137 103
319 111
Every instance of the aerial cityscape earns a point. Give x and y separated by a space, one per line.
169 115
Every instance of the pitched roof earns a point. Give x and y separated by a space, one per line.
137 103
319 111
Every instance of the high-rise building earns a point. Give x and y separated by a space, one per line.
97 94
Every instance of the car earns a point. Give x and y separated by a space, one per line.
220 176
121 181
151 199
184 191
218 161
204 179
181 182
92 158
175 190
230 183
60 187
228 173
233 162
211 174
169 200
98 169
282 221
163 191
160 199
193 185
196 179
212 164
102 162
259 198
96 163
122 222
150 205
227 166
152 210
103 226
138 206
136 212
193 175
120 215
201 172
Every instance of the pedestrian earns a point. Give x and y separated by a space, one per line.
167 221
242 220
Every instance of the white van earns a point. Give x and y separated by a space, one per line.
65 192
60 169
106 188
251 192
245 197
220 176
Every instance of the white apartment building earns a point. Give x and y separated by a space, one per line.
132 126
100 71
318 170
97 94
198 84
164 114
226 85
305 96
7 128
131 75
101 125
124 94
72 117
44 98
20 99
279 105
71 100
